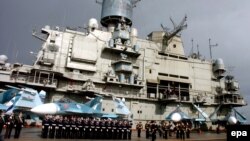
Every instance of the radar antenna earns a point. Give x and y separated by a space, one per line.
210 48
169 35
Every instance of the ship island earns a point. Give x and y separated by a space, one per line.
154 75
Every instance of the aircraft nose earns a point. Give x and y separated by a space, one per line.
176 117
49 108
232 120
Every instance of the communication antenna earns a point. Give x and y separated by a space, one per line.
198 52
192 49
210 48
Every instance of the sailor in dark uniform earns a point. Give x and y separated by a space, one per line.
2 121
153 130
91 128
97 129
182 131
45 127
117 130
59 127
129 129
187 131
63 127
79 127
120 130
73 128
9 125
67 128
52 127
165 129
113 129
125 132
85 128
139 128
147 127
108 129
102 129
177 128
159 127
19 123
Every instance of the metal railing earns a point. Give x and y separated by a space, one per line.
123 92
33 79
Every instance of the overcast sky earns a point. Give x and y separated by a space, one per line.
226 22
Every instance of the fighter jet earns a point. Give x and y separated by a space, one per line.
64 107
177 115
93 107
21 99
232 117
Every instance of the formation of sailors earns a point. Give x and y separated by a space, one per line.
166 129
75 127
14 121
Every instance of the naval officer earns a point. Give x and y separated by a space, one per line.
139 128
19 123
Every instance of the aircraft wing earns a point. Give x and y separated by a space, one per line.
3 107
28 100
79 109
110 116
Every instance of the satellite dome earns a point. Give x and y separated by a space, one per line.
219 61
176 117
3 59
7 65
93 23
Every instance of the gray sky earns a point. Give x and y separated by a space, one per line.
226 22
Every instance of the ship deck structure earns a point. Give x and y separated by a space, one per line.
154 75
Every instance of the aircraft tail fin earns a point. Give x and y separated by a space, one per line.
120 107
239 116
95 103
8 95
42 95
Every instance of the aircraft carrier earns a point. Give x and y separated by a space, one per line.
154 75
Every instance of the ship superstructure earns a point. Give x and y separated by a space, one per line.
153 74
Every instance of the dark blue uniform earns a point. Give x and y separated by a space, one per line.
45 128
52 128
9 125
19 123
59 128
